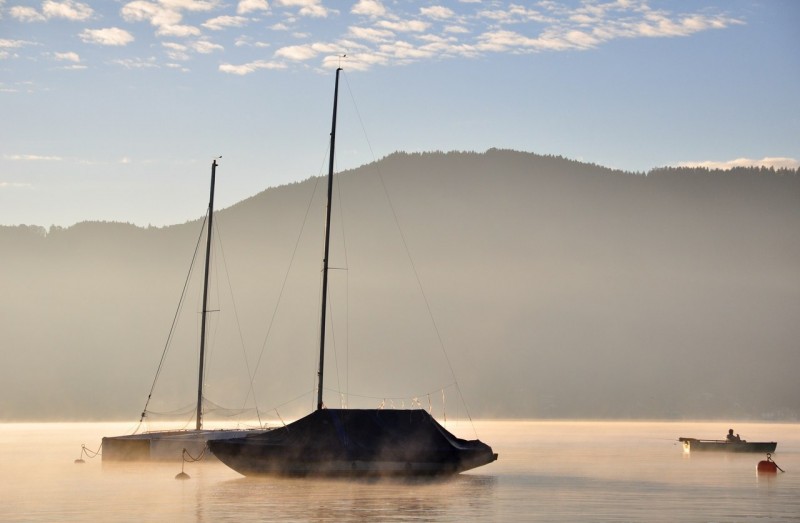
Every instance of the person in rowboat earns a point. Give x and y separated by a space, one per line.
733 438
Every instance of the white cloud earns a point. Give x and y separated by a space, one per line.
356 62
246 41
142 11
32 158
515 14
190 5
370 34
251 67
178 30
579 39
176 51
503 41
301 53
13 44
585 27
369 8
179 67
68 9
297 52
109 36
456 29
181 52
137 63
165 16
26 14
661 25
436 40
312 8
438 12
206 47
405 26
68 57
222 22
249 6
590 25
404 51
768 161
477 29
432 31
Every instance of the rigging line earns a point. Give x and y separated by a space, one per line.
410 259
315 368
332 330
180 411
178 416
215 407
330 302
286 276
175 318
320 297
333 341
135 429
189 420
236 317
232 414
398 398
212 328
346 291
298 397
331 324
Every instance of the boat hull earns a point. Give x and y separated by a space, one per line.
162 446
332 442
693 445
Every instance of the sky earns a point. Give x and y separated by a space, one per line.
113 110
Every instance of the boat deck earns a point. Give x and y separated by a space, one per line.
166 445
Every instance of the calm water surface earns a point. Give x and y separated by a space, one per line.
547 471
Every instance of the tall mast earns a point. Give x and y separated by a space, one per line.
199 424
327 247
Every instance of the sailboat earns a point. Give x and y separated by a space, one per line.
351 442
170 445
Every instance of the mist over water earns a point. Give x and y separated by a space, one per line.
547 471
552 289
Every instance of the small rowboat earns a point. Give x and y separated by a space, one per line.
721 445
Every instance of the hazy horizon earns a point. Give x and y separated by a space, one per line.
552 289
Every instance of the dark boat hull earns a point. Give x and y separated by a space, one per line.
333 442
692 444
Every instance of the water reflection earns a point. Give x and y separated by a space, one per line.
440 499
548 471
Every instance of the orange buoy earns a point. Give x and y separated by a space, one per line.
767 467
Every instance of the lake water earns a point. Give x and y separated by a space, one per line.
547 471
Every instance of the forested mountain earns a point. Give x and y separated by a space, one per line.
546 287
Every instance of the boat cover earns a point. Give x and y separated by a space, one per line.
354 442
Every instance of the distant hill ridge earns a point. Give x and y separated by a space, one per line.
513 161
561 289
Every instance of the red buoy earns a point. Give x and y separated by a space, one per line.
767 467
